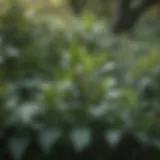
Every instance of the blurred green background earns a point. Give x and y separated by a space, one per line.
63 71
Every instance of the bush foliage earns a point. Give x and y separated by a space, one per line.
70 77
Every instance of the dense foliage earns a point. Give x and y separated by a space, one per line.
78 74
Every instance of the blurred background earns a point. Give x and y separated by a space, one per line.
71 89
